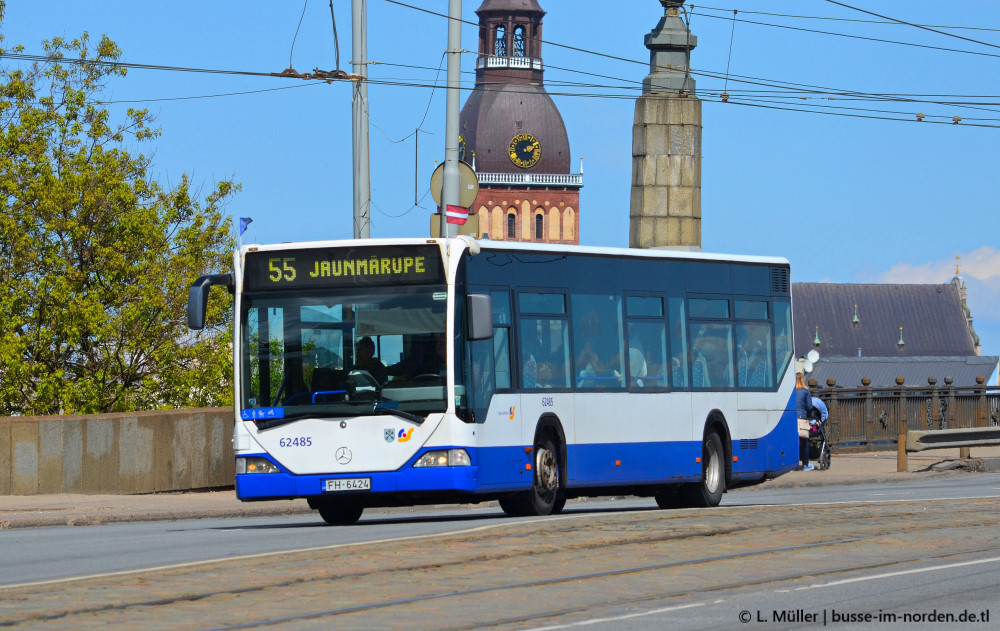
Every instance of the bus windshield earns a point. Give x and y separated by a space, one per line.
338 352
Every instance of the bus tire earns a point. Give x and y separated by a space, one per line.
340 513
546 496
668 498
708 491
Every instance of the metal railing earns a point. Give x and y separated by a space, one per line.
492 61
872 419
536 179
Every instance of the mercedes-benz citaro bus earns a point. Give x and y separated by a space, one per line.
395 372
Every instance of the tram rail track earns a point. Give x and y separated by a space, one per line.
452 573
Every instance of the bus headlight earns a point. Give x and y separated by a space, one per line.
444 458
255 465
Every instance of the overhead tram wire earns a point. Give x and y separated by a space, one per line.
808 88
918 26
325 77
643 63
802 88
863 116
837 19
789 105
859 37
795 91
818 104
297 29
206 96
320 76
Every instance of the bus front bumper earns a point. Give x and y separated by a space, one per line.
283 485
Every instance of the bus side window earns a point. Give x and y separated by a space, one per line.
679 362
501 338
598 342
647 350
483 375
753 348
545 352
782 334
501 355
712 359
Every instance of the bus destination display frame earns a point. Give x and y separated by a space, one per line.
313 268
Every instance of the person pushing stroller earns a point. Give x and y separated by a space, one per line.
819 445
812 413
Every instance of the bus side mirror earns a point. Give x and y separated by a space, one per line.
480 317
198 298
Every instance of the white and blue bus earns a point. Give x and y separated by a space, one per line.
410 371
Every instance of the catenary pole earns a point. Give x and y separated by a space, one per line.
450 181
359 117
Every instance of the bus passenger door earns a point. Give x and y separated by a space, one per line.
497 408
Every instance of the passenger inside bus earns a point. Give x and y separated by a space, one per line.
546 356
365 359
637 366
424 357
328 374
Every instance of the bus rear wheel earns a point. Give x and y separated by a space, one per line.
546 496
708 492
340 513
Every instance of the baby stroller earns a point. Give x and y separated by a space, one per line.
819 446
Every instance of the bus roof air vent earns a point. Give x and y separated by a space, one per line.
779 281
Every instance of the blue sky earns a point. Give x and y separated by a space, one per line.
870 195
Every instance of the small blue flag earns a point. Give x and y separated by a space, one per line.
244 222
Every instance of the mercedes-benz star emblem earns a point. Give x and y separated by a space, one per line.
343 455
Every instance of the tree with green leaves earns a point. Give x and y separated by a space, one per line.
96 257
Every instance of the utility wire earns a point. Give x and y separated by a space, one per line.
336 42
835 19
137 66
926 28
859 37
304 5
205 96
802 88
812 90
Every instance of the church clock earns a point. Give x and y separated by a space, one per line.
524 150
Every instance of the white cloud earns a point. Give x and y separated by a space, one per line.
980 269
982 264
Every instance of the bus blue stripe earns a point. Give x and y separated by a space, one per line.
498 469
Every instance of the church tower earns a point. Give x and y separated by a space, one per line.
513 135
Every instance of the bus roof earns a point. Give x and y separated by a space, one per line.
632 252
522 246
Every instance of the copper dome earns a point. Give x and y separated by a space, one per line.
494 115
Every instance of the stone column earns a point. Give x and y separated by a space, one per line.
665 208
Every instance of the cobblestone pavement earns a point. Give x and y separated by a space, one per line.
521 574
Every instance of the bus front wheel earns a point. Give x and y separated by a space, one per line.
340 513
546 496
708 491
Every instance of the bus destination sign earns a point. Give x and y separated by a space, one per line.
342 267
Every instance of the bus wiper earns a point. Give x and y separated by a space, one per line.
376 407
385 409
277 422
